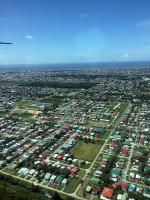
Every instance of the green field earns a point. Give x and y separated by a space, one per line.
86 151
71 187
23 114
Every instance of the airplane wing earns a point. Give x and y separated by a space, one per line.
6 43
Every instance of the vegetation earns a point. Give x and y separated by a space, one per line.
69 85
71 187
23 114
86 151
15 192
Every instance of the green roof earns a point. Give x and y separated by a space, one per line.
116 171
100 130
147 168
59 179
88 189
95 180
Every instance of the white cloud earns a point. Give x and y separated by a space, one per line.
3 56
83 15
125 56
29 37
144 23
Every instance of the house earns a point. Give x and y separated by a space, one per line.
64 182
132 175
52 179
115 172
95 180
47 176
66 127
123 185
131 187
73 170
88 189
104 163
31 172
122 196
59 156
58 179
107 193
146 192
24 171
100 130
124 151
97 173
95 190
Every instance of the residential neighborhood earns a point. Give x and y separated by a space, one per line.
82 137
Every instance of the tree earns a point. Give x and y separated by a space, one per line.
69 198
56 196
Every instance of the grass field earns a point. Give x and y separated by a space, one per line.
71 187
86 151
23 114
81 173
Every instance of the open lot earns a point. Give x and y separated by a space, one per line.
86 151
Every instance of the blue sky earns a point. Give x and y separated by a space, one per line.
57 31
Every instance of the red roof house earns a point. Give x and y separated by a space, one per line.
107 193
73 170
123 185
60 156
66 126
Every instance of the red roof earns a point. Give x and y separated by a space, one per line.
141 140
66 126
98 168
124 150
113 145
38 159
116 184
123 185
60 156
104 163
73 170
107 192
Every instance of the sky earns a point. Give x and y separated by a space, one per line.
72 31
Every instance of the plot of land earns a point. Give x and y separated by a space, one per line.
86 151
71 187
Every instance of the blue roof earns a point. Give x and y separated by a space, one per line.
131 186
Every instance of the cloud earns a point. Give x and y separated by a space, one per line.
143 23
125 56
29 37
3 56
83 15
